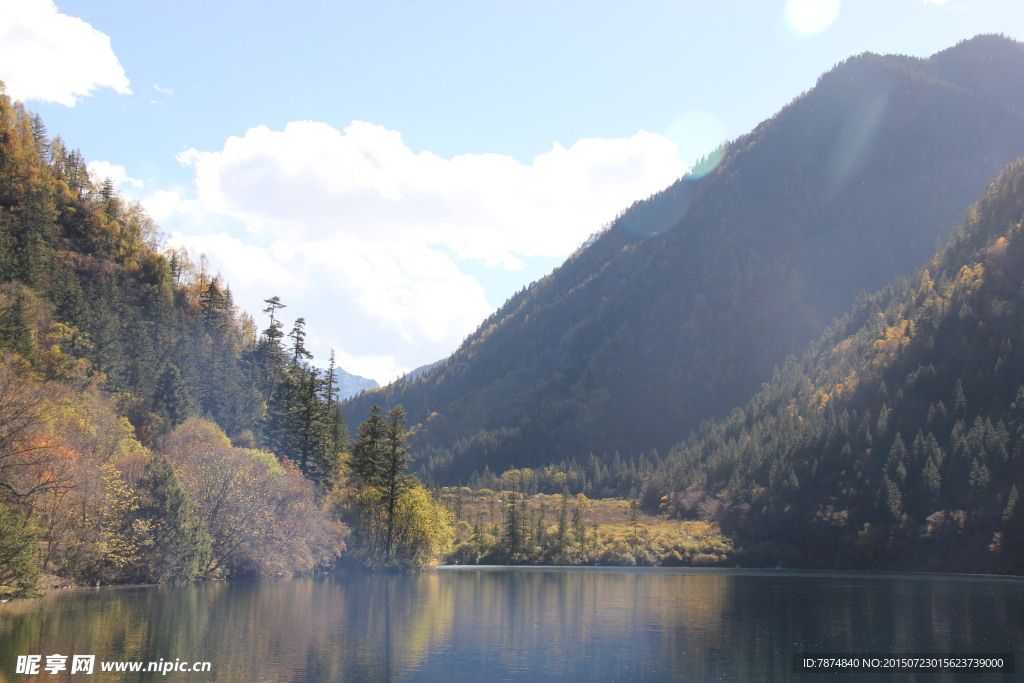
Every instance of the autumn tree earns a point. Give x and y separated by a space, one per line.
29 465
260 513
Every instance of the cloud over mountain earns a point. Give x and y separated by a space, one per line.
375 237
34 36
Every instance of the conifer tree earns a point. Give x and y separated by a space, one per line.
15 331
181 547
173 400
367 457
379 461
514 531
19 572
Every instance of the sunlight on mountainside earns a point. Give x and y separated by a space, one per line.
699 135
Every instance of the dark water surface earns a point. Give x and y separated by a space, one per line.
524 624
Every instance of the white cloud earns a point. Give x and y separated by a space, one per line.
491 208
101 170
362 236
383 310
53 57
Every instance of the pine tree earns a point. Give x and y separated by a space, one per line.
890 498
216 353
269 355
181 547
19 573
338 430
173 400
379 461
367 457
298 337
273 331
1011 505
396 461
15 330
514 526
562 539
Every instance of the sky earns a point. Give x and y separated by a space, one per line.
394 171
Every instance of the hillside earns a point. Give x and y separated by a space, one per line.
681 309
898 440
124 370
89 297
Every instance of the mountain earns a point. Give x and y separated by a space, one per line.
682 308
897 441
420 371
148 432
88 298
350 385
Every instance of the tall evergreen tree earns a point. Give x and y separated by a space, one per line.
19 573
16 330
380 459
173 400
181 547
298 337
367 453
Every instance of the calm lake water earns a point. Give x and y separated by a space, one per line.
524 624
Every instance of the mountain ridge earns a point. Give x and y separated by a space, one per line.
897 440
680 310
350 385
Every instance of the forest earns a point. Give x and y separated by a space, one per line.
153 432
671 395
897 441
149 431
681 309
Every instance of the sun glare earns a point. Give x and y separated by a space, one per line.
699 136
810 17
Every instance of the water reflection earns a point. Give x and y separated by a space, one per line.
522 624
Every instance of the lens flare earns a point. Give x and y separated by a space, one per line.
700 137
810 17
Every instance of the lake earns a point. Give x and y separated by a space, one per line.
519 624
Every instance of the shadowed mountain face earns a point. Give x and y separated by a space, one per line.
897 441
681 309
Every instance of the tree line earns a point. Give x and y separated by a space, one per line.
149 430
898 440
511 526
682 308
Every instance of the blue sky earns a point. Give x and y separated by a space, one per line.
395 170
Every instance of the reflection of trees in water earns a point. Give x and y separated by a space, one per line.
328 628
400 620
591 624
355 627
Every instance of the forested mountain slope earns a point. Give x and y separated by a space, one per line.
124 369
681 309
89 298
898 440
